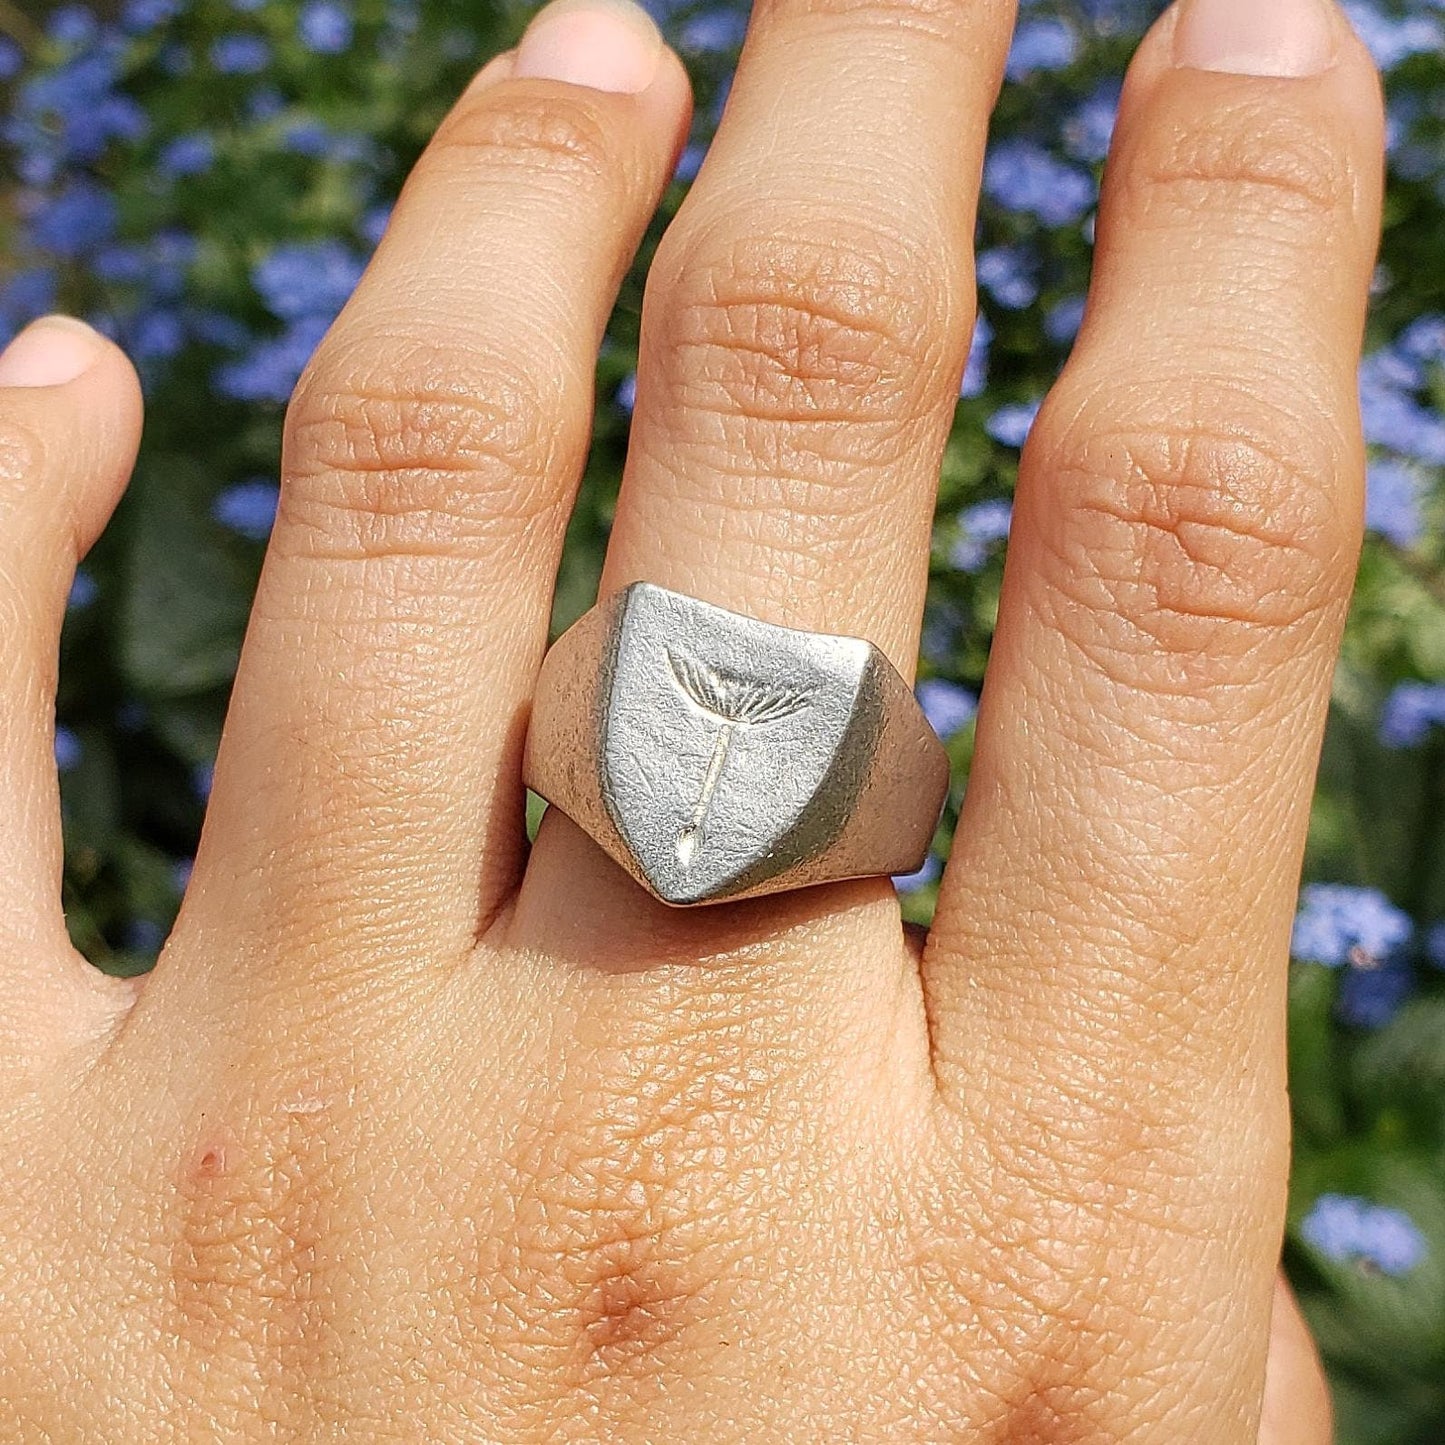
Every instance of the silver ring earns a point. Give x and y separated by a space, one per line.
716 757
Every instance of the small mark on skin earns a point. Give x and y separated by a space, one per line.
211 1163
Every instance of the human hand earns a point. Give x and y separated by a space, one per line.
413 1137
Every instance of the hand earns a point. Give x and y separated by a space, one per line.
413 1137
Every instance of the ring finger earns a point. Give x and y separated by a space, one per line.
807 320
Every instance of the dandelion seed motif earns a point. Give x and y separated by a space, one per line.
732 702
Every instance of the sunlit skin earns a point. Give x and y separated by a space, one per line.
416 1133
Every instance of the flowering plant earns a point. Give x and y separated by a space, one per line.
204 179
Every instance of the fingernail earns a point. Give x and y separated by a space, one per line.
49 352
1256 37
603 44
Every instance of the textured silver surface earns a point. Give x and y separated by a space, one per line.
717 757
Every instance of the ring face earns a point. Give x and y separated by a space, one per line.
720 733
718 757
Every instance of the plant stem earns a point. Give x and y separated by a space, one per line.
688 838
17 24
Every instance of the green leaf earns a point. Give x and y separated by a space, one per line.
187 588
1402 1067
90 801
1387 1327
1314 1073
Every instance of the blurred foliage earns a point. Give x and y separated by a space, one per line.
204 179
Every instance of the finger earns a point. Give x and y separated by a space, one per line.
1297 1409
70 417
806 324
807 320
1109 951
432 453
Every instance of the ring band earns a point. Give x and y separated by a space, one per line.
716 757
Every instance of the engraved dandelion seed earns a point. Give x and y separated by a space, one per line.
732 702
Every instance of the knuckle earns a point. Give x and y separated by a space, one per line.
779 329
1258 155
417 458
246 1244
1199 535
621 1226
556 135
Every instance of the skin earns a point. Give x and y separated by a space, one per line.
411 1136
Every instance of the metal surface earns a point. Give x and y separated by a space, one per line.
717 757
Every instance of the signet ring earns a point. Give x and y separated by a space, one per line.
716 757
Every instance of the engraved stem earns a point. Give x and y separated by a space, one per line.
688 839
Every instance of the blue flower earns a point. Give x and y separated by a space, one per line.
311 138
1345 1228
1392 416
12 58
171 255
216 328
1423 340
153 335
83 591
240 54
120 264
75 220
1089 131
1022 176
1392 502
176 59
689 163
73 25
307 138
202 777
626 396
1010 425
1435 945
1372 993
24 296
264 104
305 280
948 707
1062 323
181 871
69 113
68 749
269 371
1007 274
925 877
140 17
713 30
325 27
1410 711
980 527
1338 924
1044 44
187 155
248 508
144 935
975 374
373 223
1390 39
